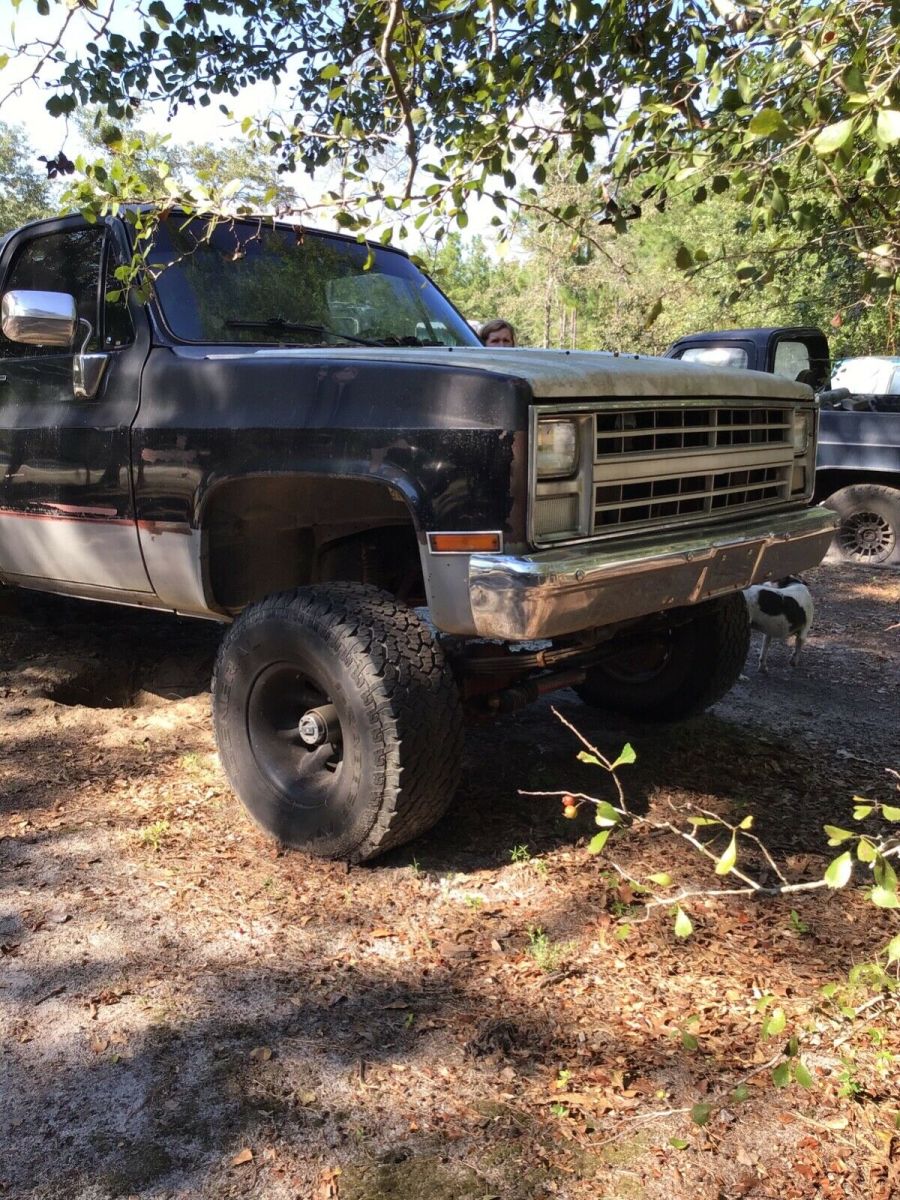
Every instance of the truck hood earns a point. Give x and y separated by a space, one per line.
558 374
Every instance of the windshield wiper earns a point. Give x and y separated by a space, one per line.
275 325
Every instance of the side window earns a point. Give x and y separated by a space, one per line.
791 358
67 261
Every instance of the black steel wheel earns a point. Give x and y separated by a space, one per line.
869 532
337 719
680 670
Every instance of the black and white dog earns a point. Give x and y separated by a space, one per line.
780 610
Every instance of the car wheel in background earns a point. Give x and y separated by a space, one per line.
869 532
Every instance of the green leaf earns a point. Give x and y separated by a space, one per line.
605 814
160 14
700 1113
774 1023
683 926
781 1076
660 878
885 875
653 313
627 756
865 851
839 870
728 858
854 81
802 1074
768 123
689 1041
890 813
882 897
740 1093
598 841
747 823
861 811
834 137
887 127
836 835
584 757
678 1143
893 949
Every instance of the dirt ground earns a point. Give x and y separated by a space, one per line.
187 1011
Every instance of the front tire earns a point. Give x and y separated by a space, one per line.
679 672
869 532
337 720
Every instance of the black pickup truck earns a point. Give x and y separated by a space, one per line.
858 464
298 435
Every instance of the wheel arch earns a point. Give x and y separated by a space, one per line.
831 480
269 532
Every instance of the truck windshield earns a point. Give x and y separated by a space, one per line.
250 281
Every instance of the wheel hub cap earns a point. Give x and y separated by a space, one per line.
319 725
868 536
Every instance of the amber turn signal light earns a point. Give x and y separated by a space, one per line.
465 543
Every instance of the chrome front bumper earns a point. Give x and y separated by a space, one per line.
556 592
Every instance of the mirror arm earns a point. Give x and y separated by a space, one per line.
87 368
88 333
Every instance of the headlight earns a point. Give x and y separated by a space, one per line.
801 430
557 449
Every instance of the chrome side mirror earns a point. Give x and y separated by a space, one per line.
39 318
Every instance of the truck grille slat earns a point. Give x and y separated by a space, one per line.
640 432
653 466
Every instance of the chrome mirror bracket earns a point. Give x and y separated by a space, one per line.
87 368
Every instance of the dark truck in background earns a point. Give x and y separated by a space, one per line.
299 436
858 462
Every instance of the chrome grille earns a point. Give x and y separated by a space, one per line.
656 465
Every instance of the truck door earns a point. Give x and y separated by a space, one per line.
66 507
